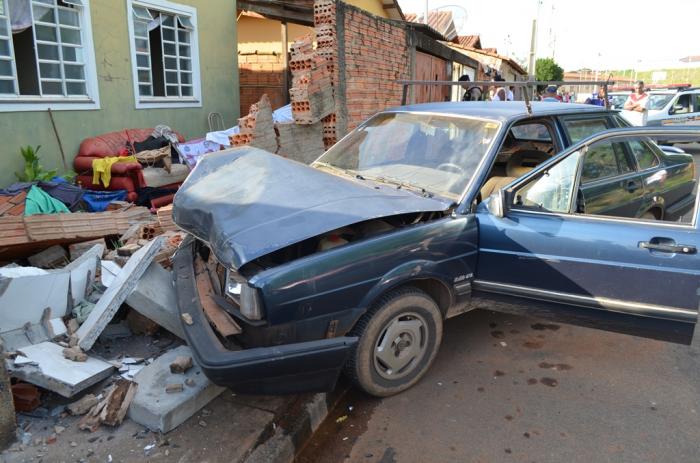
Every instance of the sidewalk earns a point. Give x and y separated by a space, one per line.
231 428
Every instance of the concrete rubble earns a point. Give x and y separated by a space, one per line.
162 402
100 330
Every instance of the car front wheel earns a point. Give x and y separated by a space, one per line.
399 338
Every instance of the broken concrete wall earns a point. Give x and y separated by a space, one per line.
303 143
257 128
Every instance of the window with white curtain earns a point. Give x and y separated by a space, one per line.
165 57
46 55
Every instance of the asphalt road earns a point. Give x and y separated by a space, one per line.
503 389
545 395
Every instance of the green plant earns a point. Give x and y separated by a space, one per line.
548 69
33 171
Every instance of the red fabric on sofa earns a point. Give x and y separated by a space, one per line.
125 176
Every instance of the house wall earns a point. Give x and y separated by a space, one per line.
260 59
219 81
372 54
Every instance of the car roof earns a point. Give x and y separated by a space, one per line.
501 110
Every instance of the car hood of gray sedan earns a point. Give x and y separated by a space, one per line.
246 203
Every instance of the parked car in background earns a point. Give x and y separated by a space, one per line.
673 108
422 213
618 99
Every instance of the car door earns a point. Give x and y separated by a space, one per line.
610 183
680 111
538 256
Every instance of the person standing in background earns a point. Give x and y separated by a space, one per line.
637 101
499 93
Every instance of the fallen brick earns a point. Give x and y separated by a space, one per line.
75 354
181 364
174 388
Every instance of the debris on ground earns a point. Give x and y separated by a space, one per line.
162 402
181 364
25 397
82 406
75 354
112 409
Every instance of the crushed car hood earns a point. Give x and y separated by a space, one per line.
246 203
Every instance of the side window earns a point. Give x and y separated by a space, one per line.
46 55
533 132
696 103
682 105
165 57
643 153
604 160
646 195
578 129
550 191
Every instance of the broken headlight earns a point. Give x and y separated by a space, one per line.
247 297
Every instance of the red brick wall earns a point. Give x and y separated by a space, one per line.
261 74
376 55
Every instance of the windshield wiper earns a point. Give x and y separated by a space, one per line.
399 185
335 168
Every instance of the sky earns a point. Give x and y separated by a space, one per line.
597 34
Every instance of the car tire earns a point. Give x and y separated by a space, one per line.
398 341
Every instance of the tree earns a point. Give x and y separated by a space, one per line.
548 69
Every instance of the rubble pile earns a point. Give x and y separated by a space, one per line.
312 89
313 129
326 47
257 128
104 318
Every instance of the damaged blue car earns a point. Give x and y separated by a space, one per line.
292 274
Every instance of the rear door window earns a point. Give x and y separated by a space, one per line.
578 129
604 160
533 132
644 154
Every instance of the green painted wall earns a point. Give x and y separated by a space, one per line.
219 76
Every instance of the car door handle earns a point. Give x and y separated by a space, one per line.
668 247
633 185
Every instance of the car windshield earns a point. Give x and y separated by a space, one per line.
658 101
435 153
618 101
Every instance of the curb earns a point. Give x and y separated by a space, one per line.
296 427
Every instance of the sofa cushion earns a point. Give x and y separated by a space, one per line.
110 144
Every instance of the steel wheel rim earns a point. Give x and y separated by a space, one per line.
401 346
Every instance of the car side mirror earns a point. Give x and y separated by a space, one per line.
675 109
499 203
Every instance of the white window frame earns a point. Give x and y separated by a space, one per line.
20 103
151 102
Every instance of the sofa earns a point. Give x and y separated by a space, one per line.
125 175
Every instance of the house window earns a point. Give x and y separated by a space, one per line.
164 54
46 55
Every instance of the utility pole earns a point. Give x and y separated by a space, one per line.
425 17
533 46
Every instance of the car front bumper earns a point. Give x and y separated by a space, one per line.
312 366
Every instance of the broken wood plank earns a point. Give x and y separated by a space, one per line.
118 401
123 284
223 322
